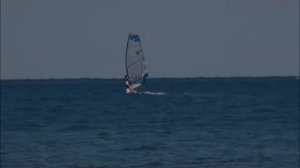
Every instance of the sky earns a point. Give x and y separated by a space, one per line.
42 39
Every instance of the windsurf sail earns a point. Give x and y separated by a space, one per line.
135 61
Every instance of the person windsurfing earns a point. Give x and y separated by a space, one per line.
129 88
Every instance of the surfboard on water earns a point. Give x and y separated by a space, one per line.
135 64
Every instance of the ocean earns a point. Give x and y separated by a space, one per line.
173 123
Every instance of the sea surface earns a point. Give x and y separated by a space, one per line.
172 123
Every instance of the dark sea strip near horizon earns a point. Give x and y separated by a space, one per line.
172 123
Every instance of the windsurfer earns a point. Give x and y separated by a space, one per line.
129 88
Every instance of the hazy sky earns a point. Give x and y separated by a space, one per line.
87 38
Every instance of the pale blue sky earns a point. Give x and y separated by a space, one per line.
181 38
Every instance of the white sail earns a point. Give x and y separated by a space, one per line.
135 61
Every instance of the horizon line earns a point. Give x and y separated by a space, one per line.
117 78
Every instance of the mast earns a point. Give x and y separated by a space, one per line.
126 54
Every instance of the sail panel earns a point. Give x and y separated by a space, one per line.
135 61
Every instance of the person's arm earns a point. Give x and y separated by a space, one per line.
131 89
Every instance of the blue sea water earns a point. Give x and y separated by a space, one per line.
201 122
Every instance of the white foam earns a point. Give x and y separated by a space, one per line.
153 93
